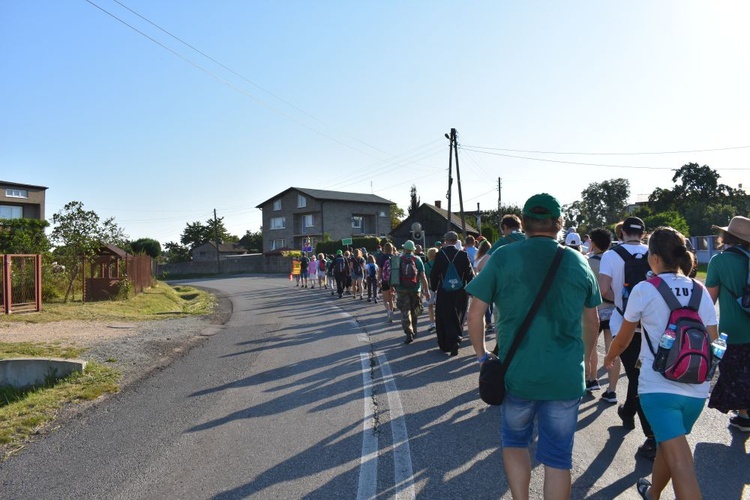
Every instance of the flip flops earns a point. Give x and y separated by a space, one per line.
642 486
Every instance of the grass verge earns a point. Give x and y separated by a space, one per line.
158 302
24 413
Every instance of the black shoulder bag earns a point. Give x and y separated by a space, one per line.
492 373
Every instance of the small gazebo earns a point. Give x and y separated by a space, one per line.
106 273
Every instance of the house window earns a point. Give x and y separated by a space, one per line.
275 244
278 222
357 222
10 212
301 201
308 221
277 205
16 193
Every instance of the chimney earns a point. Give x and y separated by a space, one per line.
437 203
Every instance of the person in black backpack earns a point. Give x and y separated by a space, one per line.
620 269
452 300
340 269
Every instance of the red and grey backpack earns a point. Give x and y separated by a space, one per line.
689 359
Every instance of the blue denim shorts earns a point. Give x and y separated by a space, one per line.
556 421
670 415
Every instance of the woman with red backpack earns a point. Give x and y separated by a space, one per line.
671 406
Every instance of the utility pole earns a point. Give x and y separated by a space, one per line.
216 239
479 220
460 192
450 177
499 203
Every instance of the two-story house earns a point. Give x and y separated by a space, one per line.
21 201
298 217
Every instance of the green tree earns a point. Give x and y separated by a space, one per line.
147 246
604 202
492 218
23 236
669 218
696 183
78 234
702 200
414 201
397 215
196 234
253 242
573 216
174 252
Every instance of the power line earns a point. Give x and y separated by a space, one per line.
235 72
730 148
604 165
231 85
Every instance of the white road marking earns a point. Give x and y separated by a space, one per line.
368 463
404 474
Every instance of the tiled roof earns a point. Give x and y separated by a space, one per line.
322 194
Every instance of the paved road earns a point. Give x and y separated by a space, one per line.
301 395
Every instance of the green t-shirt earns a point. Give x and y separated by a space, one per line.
420 273
728 271
505 240
549 362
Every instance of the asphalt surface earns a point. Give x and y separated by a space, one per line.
303 395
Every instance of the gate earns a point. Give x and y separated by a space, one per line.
21 283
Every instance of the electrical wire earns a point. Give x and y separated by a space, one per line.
730 148
236 73
231 85
604 165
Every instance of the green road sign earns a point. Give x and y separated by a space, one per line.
346 241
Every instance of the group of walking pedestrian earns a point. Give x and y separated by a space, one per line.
625 287
629 292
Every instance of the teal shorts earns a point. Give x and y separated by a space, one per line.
670 415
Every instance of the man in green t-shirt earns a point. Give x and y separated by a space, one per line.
510 225
411 280
545 380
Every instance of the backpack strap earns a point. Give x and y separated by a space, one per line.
521 333
695 296
659 284
666 292
446 255
624 254
741 251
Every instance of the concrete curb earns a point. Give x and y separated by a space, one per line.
27 372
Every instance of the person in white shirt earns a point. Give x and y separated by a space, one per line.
611 284
671 407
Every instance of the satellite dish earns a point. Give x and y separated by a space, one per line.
416 227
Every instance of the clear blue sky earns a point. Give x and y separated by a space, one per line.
357 96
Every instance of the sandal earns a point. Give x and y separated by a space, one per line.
642 486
